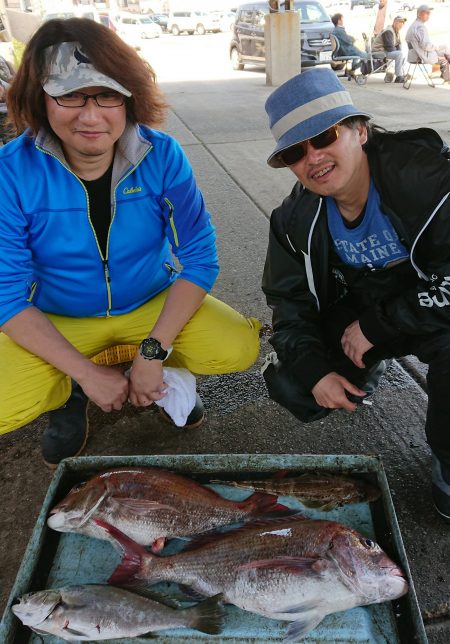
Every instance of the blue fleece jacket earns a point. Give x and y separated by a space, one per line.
49 255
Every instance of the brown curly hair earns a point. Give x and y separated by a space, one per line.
108 54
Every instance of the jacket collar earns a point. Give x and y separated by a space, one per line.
130 149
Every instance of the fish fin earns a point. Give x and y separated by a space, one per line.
295 565
133 554
268 522
208 616
158 544
319 505
141 506
305 607
302 626
191 593
260 502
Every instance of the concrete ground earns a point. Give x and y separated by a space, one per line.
222 126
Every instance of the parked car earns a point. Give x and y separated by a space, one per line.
406 5
81 11
247 44
368 4
134 27
191 22
226 20
161 19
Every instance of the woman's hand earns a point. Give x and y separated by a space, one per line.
146 382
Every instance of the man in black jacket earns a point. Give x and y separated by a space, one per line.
389 43
358 263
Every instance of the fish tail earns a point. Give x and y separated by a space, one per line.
260 503
208 616
133 555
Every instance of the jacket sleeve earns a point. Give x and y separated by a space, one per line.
188 223
422 39
424 309
297 337
388 40
15 256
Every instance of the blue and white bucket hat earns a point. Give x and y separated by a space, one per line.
305 106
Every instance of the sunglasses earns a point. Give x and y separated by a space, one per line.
296 152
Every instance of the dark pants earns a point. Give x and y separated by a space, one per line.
433 349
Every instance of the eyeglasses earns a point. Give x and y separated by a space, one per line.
296 152
102 99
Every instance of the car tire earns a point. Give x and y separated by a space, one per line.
200 29
236 63
175 30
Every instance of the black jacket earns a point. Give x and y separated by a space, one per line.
411 172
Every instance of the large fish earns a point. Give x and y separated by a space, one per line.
323 491
150 505
291 569
91 613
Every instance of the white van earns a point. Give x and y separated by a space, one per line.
134 27
82 11
191 22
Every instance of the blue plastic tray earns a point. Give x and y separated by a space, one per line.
55 559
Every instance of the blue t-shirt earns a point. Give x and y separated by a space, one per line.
373 243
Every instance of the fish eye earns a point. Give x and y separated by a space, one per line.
368 543
78 487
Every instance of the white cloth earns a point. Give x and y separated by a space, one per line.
179 400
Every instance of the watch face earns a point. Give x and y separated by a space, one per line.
151 349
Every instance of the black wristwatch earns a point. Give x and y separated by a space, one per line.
151 349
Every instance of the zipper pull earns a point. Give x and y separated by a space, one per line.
106 270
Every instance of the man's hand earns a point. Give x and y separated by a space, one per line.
330 392
355 344
146 382
105 386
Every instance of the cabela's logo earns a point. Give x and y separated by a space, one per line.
130 191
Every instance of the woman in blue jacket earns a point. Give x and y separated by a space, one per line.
95 206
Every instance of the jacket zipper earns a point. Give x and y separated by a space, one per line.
172 221
419 234
103 259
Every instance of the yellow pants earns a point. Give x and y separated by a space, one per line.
216 340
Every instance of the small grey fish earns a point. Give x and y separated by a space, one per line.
94 612
323 491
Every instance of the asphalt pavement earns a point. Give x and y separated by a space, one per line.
223 128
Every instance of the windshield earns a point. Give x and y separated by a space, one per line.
311 12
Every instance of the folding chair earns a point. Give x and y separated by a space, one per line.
360 79
415 61
377 62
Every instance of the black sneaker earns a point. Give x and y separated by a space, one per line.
400 79
440 489
67 430
195 418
